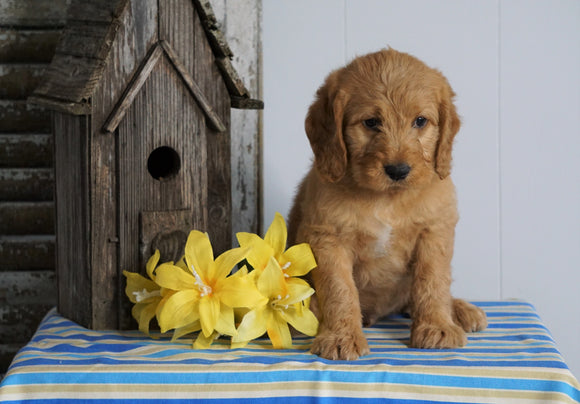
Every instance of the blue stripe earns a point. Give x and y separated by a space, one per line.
548 363
261 400
232 378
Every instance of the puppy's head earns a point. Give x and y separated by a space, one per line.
385 121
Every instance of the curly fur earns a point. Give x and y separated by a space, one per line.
382 245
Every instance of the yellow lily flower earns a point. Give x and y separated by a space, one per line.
204 292
285 306
296 261
145 293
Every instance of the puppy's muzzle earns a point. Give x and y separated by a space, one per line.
397 172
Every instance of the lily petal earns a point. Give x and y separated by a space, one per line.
271 282
199 253
209 312
143 313
297 291
152 263
279 333
179 310
136 284
259 252
301 260
186 329
225 324
172 277
304 321
239 290
276 235
227 261
253 325
203 342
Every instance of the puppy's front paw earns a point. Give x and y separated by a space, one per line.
344 345
471 318
437 336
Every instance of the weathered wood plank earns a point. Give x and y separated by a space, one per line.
240 21
18 117
17 81
33 13
246 103
21 218
72 233
218 144
215 36
26 184
233 81
194 89
27 252
102 11
136 35
142 74
28 46
25 150
29 32
88 39
182 28
59 83
25 297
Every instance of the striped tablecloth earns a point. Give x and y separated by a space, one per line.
514 361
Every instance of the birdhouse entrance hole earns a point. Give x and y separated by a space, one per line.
163 163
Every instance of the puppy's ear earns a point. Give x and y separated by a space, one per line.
324 129
449 124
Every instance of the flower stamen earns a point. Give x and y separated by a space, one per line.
204 290
145 294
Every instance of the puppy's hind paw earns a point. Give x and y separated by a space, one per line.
437 336
340 346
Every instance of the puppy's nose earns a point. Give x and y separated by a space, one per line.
397 172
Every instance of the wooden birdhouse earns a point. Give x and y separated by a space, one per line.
141 92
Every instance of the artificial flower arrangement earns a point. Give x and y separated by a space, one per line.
200 293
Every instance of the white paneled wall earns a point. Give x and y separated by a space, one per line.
515 66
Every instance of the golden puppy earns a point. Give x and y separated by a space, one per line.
378 206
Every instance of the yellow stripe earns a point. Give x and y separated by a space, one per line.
278 389
562 375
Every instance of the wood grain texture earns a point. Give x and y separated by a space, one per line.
28 45
213 118
91 40
17 116
26 218
80 57
133 88
29 32
240 21
26 184
72 210
17 81
99 11
137 33
33 13
26 150
182 28
24 253
25 297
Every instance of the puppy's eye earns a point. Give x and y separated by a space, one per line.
372 123
420 122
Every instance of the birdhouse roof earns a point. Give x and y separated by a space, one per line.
81 55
